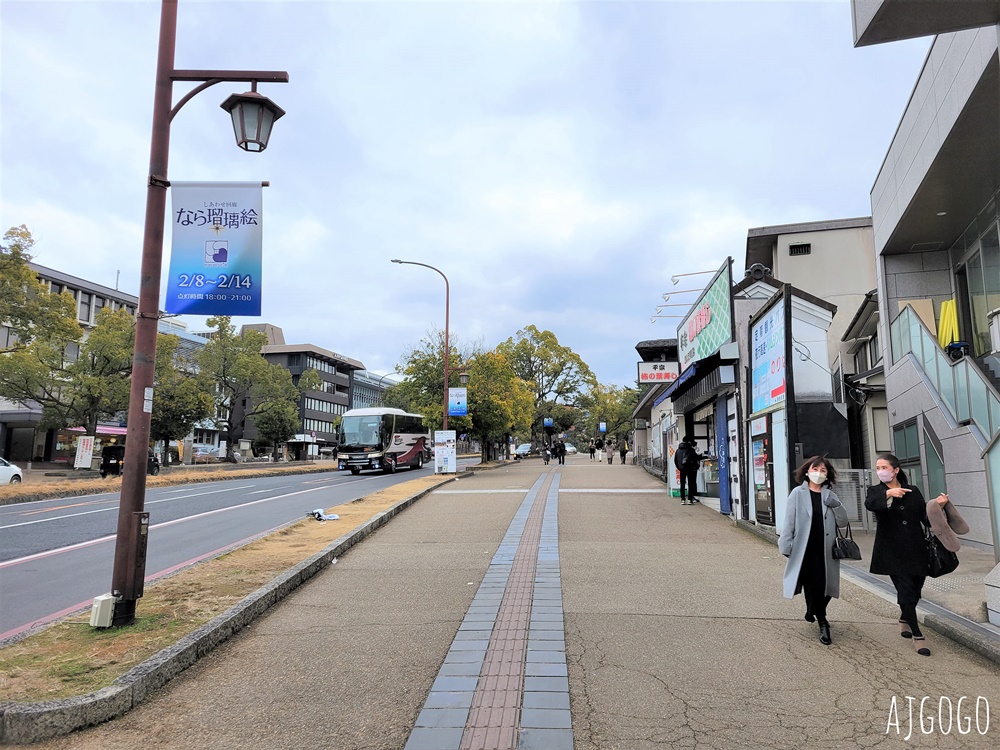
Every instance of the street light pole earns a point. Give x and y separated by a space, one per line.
130 563
447 294
381 392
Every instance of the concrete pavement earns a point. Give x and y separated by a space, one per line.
674 633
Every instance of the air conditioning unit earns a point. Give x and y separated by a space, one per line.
102 611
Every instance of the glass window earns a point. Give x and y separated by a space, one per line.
935 471
83 309
977 300
990 251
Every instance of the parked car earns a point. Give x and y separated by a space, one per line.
523 450
9 473
570 449
204 456
113 459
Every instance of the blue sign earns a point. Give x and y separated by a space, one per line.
546 421
215 259
458 402
603 427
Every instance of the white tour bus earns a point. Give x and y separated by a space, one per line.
383 439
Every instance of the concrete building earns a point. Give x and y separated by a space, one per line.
318 410
937 246
368 388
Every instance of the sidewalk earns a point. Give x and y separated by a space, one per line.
572 606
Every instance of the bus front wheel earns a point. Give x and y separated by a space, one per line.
390 466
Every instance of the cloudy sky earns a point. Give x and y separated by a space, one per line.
558 161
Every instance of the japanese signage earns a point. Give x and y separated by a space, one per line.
458 402
215 261
767 360
445 452
709 324
658 372
84 452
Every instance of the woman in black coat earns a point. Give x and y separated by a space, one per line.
900 550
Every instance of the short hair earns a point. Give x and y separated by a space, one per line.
689 439
803 470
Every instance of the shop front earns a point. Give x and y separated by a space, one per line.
60 446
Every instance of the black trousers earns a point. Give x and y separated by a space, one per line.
908 591
689 479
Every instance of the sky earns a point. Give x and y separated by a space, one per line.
558 161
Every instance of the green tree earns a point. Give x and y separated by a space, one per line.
611 405
181 398
557 373
245 384
422 389
75 384
277 425
26 306
500 403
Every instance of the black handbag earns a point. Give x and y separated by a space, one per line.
940 561
844 546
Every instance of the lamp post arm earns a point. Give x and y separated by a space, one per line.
212 77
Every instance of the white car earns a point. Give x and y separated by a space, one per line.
570 449
9 473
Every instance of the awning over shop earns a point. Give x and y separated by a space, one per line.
705 378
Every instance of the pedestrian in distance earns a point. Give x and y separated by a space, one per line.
687 459
811 519
561 448
610 447
900 548
599 445
623 449
593 450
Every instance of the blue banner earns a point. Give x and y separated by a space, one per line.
215 261
458 402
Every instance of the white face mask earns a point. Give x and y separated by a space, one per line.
817 477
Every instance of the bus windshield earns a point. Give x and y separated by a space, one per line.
361 432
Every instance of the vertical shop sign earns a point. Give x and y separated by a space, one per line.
767 359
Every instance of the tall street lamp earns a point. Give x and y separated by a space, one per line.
447 293
381 391
252 115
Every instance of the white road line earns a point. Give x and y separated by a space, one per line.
115 507
80 545
623 491
480 492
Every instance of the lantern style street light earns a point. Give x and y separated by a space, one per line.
447 294
253 116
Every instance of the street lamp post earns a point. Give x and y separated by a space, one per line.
381 393
447 293
253 115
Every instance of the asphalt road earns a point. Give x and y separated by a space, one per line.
57 555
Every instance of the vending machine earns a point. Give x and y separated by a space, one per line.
762 469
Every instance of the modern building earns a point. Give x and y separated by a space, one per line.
20 437
937 247
368 389
318 410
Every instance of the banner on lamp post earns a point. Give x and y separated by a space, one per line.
215 258
458 402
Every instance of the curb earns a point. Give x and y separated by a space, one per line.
25 723
973 635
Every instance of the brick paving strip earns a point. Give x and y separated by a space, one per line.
504 683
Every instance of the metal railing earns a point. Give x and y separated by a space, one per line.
965 392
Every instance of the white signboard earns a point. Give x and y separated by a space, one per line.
445 454
84 452
658 372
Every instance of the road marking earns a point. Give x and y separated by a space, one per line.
480 492
623 491
81 545
113 507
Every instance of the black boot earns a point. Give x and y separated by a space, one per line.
824 633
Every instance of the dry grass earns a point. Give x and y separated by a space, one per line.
71 658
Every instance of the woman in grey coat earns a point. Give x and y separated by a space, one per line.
811 521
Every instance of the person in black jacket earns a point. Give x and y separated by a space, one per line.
900 549
686 459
